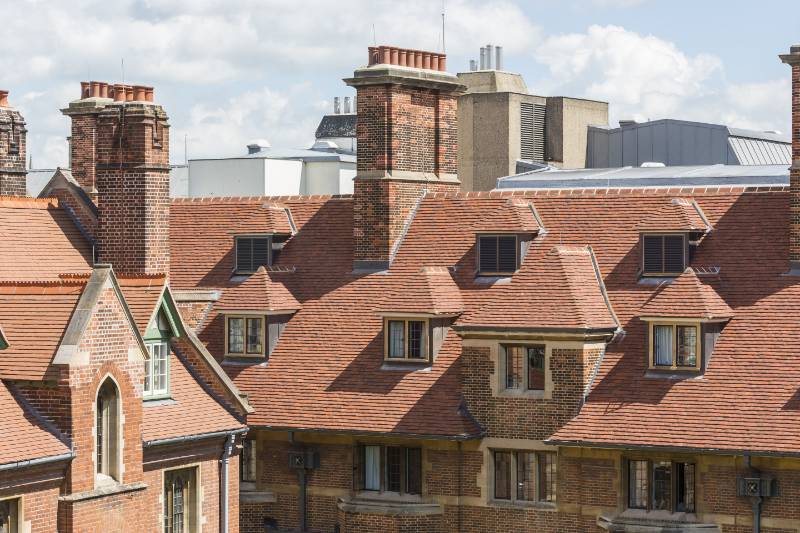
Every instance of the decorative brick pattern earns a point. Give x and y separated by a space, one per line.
133 188
12 153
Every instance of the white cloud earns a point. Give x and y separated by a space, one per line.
645 77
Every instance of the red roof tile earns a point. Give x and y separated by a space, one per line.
261 291
142 294
687 296
429 291
39 241
680 214
25 435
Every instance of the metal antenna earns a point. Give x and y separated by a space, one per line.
374 39
444 47
122 67
186 148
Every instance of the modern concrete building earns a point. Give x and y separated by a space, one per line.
680 142
266 171
501 123
339 127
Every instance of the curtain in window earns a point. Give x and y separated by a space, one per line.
514 362
502 475
687 346
396 338
526 476
662 345
372 467
254 345
235 335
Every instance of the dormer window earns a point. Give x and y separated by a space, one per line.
664 254
498 255
156 367
252 252
675 346
406 339
244 336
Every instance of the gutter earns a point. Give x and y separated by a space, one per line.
680 449
194 438
36 462
455 438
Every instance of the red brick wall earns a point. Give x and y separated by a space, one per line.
794 177
67 200
133 188
12 158
38 488
83 149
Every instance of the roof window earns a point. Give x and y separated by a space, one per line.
664 255
498 255
252 252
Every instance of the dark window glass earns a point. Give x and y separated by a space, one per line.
684 499
687 346
548 477
179 499
254 341
498 254
8 516
251 253
393 468
662 486
514 362
416 339
235 335
414 471
638 484
502 475
526 476
536 367
247 461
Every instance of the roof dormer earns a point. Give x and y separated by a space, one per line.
504 236
669 236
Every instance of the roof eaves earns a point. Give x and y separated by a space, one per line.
357 432
573 443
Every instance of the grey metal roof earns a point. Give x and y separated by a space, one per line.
294 154
680 142
679 176
37 178
337 126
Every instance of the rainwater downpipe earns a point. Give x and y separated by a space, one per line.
227 451
755 500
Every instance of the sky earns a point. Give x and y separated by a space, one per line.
229 72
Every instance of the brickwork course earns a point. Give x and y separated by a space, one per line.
12 150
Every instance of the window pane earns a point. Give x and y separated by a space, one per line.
526 476
684 499
235 335
414 470
254 345
416 339
687 346
662 485
397 338
514 361
372 467
507 253
638 486
536 368
159 356
673 253
662 345
502 475
247 461
148 375
393 468
488 253
8 516
653 254
548 476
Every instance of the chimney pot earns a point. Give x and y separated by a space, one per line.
336 108
4 98
138 93
395 59
426 60
498 62
435 61
385 55
119 93
148 94
95 85
128 93
103 90
346 105
483 58
403 58
85 90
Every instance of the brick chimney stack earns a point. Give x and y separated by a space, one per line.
793 60
407 145
132 180
12 150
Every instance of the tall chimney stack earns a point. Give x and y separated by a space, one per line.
407 144
793 60
12 150
132 178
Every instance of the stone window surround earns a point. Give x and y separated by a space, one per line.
245 315
199 519
486 476
17 501
102 480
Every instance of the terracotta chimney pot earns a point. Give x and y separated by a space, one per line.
103 90
128 93
402 59
395 56
426 60
85 90
443 62
119 93
95 85
385 55
148 94
138 93
3 98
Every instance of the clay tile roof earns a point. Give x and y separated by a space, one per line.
516 215
431 290
142 294
557 289
38 240
193 411
679 214
262 291
25 434
687 296
34 316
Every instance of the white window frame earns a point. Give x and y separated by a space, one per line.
149 391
